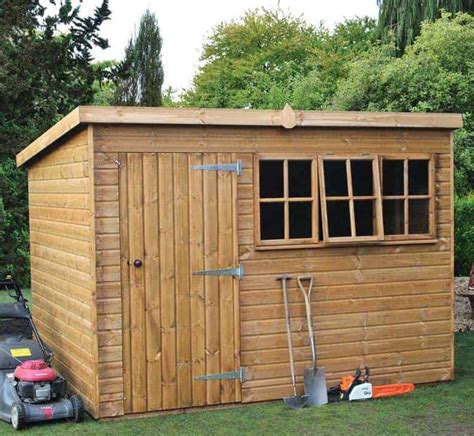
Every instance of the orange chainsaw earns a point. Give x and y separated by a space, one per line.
357 387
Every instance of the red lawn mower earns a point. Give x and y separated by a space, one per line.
30 389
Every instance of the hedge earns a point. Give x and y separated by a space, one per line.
464 235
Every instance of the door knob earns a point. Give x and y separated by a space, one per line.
138 263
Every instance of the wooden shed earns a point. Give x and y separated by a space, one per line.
157 236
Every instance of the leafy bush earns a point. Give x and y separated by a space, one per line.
14 256
434 75
464 235
464 161
269 57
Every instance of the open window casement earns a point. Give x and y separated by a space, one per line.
312 201
351 204
408 197
286 198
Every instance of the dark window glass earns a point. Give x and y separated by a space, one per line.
335 178
300 220
418 177
394 217
393 177
272 221
418 213
364 217
338 218
299 178
271 179
362 177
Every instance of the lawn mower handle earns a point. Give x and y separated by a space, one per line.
9 284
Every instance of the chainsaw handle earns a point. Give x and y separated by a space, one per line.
367 374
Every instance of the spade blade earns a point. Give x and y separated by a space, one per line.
296 401
315 386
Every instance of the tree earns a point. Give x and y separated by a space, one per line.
329 65
104 87
262 60
402 18
45 66
14 238
139 77
45 71
435 74
246 61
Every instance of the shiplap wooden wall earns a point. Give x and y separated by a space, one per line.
386 306
109 303
63 261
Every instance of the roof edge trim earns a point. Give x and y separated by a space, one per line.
66 124
286 118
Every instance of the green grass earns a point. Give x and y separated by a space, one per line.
445 408
5 298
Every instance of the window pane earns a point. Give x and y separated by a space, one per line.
393 217
339 221
301 220
418 177
393 177
272 221
364 217
271 179
299 178
362 177
335 178
418 213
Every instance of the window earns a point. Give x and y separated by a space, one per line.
286 201
363 198
350 198
408 200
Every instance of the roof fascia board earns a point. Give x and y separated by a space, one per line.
286 118
66 124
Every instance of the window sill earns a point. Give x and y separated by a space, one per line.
346 244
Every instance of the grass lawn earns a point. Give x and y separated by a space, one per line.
5 298
447 408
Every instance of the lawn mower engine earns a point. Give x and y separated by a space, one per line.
30 390
36 382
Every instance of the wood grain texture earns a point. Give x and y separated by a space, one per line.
287 118
167 281
387 305
375 302
63 259
113 279
259 140
190 321
68 123
151 227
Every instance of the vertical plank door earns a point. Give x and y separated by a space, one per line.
177 220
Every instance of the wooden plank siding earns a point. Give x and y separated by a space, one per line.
387 306
63 261
112 391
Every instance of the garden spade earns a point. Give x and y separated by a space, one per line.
314 378
295 401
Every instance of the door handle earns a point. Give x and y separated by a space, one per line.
137 263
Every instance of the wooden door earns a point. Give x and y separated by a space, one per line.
176 220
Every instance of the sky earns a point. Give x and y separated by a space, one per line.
185 24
